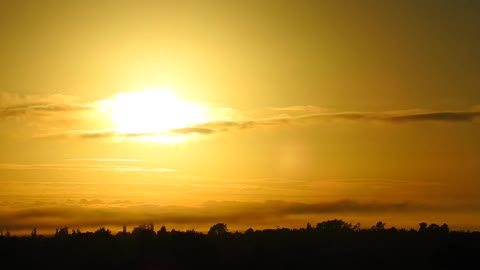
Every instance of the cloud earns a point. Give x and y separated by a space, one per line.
217 126
444 116
39 108
300 108
105 134
213 127
106 159
282 208
82 134
11 99
88 213
83 167
12 105
197 130
464 116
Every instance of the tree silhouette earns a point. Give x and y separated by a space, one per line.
103 232
144 231
218 230
433 228
62 232
336 225
162 231
444 228
309 226
423 226
249 231
380 226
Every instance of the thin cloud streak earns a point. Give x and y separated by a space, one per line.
81 134
446 117
14 105
38 108
300 108
438 116
197 130
88 167
209 128
106 159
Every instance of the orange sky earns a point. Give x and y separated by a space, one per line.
253 113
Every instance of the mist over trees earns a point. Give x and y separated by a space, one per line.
327 244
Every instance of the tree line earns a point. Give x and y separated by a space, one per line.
220 229
328 244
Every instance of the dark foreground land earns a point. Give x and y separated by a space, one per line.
329 245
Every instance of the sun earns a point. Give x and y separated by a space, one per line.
152 114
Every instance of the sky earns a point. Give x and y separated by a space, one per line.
261 114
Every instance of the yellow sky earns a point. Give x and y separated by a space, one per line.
253 113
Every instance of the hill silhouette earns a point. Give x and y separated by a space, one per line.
331 244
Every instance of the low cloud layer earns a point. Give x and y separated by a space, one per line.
95 213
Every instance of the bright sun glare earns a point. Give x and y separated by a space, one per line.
150 114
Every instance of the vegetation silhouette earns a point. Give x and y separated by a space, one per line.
330 244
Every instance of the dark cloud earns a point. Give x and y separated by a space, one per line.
437 116
351 116
340 206
84 214
334 116
219 126
224 126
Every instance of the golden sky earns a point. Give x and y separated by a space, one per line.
253 113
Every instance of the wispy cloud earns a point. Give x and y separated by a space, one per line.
39 108
82 134
464 116
192 130
300 108
226 119
13 105
443 116
88 167
106 159
213 127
